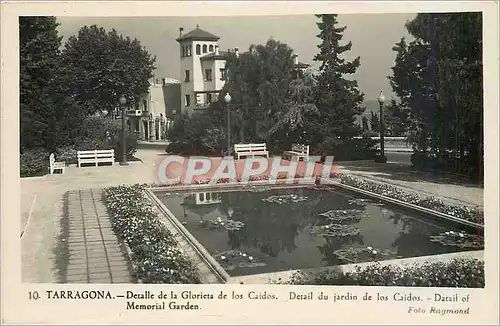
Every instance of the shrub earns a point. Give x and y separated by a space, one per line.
105 133
348 149
156 256
34 162
458 273
67 154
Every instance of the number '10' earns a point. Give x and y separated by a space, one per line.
34 295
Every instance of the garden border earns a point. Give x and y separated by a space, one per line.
404 204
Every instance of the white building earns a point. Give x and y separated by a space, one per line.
153 112
203 68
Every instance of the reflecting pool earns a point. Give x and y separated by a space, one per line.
271 230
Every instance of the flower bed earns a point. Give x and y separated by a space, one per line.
458 273
464 212
155 254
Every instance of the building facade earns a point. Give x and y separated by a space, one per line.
203 69
153 113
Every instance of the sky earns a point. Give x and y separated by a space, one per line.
372 37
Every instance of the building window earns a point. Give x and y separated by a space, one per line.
190 48
208 74
145 104
198 49
183 50
188 100
186 76
204 48
211 48
223 74
209 98
201 196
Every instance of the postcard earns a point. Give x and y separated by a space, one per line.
250 162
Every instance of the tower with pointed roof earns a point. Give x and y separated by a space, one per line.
202 69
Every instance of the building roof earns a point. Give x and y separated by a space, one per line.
198 34
212 56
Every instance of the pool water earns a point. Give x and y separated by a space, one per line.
253 232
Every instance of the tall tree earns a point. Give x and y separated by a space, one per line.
105 65
439 77
269 101
39 50
337 98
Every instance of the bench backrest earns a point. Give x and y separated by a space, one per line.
304 149
103 153
250 147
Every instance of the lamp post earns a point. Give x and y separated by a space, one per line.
123 102
381 100
227 99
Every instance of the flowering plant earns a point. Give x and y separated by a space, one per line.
155 254
458 273
463 212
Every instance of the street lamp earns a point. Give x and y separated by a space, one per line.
381 100
227 99
123 102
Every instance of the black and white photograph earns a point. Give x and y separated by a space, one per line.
335 149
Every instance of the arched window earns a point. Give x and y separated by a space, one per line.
205 48
211 48
201 196
208 196
198 49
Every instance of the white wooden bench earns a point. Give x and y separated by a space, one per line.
244 150
299 151
53 165
96 157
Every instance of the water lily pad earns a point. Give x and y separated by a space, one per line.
339 216
358 255
232 259
459 239
335 230
284 199
221 224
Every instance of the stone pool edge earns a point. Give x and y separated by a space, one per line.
404 204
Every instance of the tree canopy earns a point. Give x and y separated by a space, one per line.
105 65
39 45
438 77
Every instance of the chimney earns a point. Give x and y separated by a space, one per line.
163 81
295 59
180 31
216 50
237 52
